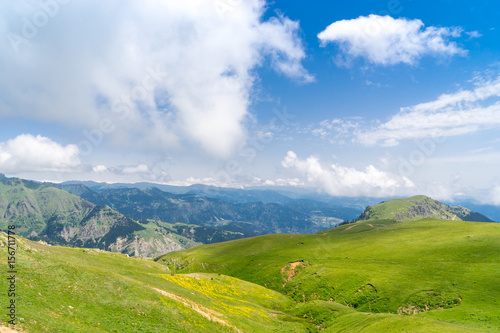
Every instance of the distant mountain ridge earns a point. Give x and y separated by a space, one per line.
250 218
418 207
148 221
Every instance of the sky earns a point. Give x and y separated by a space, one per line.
366 98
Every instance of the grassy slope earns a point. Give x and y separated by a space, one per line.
80 290
33 204
418 207
391 209
450 268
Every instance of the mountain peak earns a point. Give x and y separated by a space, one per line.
419 207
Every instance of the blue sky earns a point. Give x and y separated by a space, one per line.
372 98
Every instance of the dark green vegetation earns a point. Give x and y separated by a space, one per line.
418 207
371 276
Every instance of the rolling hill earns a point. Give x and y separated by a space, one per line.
370 276
394 276
83 290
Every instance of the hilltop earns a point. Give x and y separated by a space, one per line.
418 207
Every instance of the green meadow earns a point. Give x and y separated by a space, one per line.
378 275
370 276
63 289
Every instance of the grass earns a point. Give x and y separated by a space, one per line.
81 290
419 274
371 276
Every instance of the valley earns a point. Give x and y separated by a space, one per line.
412 264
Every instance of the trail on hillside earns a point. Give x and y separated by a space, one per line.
202 310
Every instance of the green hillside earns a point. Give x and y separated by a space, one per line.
418 207
391 276
340 280
67 290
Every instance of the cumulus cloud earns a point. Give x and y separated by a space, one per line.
463 112
383 40
27 153
339 180
153 73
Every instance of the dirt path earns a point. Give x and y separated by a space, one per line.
371 225
7 330
352 226
202 310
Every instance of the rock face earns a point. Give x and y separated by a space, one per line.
42 212
419 207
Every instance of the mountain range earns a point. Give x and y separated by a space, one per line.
147 221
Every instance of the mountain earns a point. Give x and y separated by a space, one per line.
491 211
419 276
148 221
42 212
418 207
347 208
248 218
232 195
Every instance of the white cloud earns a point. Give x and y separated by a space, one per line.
338 180
495 195
123 169
100 168
132 173
194 180
141 168
463 112
461 98
27 153
149 74
383 40
474 34
337 130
